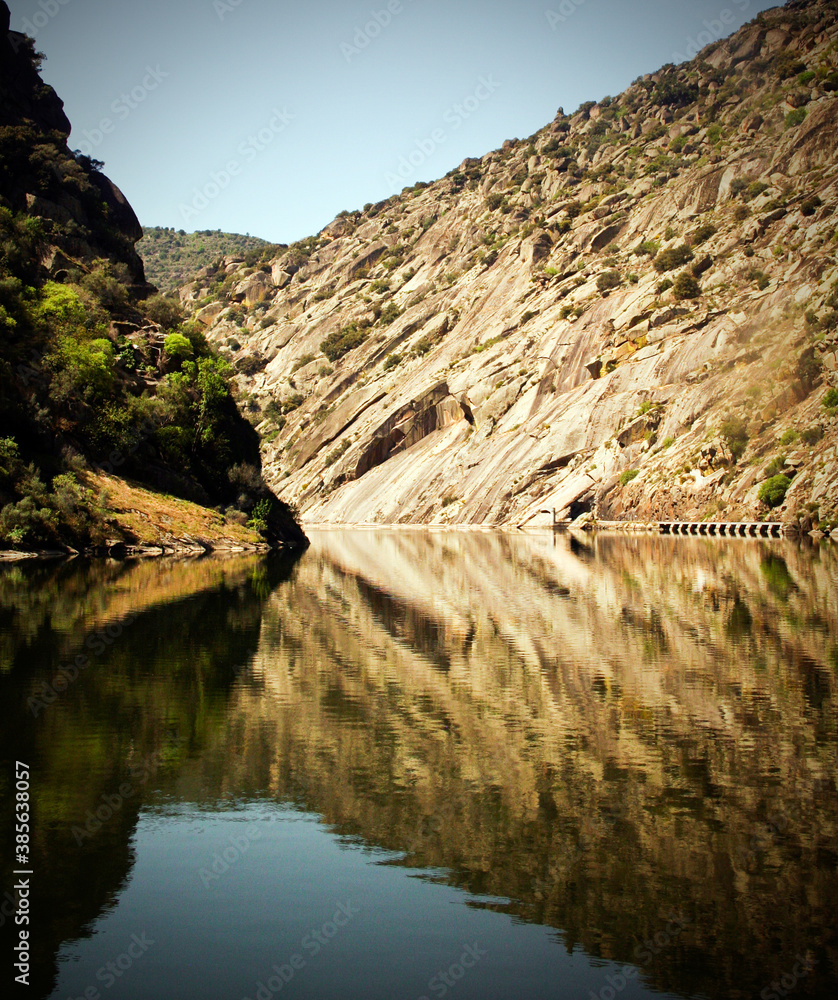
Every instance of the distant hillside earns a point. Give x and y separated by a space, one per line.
172 256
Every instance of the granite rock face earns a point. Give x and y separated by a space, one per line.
647 287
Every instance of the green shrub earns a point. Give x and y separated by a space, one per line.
734 430
664 286
261 516
177 347
714 134
830 398
292 402
608 280
108 286
627 476
773 492
81 371
811 205
337 344
686 287
788 64
811 435
795 118
301 362
60 308
668 260
673 92
392 361
163 310
704 232
760 277
389 314
421 348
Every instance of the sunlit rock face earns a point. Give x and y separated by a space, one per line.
645 286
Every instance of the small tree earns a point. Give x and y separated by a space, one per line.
177 347
686 287
735 432
163 310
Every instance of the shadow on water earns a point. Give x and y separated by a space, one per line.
112 675
602 734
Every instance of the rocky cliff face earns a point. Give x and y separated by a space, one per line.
632 312
86 214
97 372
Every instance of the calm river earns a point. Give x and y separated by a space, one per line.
422 765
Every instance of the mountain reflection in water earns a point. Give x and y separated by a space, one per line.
598 735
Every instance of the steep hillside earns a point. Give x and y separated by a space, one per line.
96 374
633 312
172 256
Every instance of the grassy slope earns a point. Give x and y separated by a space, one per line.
140 516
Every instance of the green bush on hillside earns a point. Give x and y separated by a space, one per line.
686 287
734 430
343 341
668 260
772 493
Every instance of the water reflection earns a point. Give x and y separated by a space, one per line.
599 736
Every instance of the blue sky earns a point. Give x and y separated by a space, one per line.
270 117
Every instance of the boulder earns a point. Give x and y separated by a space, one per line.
536 247
254 289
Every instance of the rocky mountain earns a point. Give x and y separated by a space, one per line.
631 314
172 256
99 377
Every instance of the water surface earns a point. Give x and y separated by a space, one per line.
416 764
